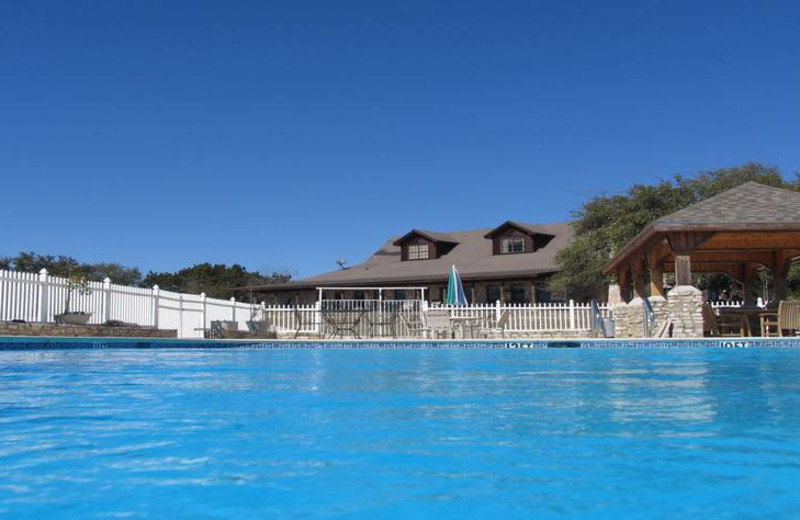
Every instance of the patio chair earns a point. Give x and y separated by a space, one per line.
786 320
416 328
499 329
438 323
722 325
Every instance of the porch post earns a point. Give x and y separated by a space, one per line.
639 284
683 269
780 273
656 281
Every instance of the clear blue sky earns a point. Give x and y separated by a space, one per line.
288 134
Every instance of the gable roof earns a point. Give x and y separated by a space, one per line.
525 228
433 236
748 203
473 257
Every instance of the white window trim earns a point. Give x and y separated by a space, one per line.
419 252
506 247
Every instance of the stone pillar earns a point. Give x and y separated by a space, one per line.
685 311
614 294
621 314
635 328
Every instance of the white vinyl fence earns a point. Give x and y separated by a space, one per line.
39 297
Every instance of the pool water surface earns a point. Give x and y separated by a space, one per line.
394 433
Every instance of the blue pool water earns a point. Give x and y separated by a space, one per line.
388 433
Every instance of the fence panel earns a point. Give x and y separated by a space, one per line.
39 297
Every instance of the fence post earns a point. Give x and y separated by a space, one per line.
203 312
318 316
572 315
263 311
233 308
180 315
156 305
44 296
107 299
497 311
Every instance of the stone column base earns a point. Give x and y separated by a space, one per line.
685 311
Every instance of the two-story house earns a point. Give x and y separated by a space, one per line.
510 263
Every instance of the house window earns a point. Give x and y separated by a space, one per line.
358 295
399 294
512 245
492 293
543 295
418 252
517 293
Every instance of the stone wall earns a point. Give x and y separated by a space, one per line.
629 317
96 331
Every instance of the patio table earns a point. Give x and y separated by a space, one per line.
747 314
381 322
460 324
342 321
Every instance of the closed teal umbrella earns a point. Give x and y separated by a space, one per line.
455 291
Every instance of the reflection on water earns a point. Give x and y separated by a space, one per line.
185 434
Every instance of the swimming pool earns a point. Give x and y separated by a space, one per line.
386 433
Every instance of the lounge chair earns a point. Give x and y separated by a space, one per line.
785 322
499 330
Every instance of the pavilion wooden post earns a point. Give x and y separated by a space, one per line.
623 277
780 274
683 269
748 283
657 281
639 280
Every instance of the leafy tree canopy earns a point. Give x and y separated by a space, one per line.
605 224
216 280
64 266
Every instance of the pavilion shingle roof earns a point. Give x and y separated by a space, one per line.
750 207
748 203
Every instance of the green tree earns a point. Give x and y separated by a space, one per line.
603 225
216 280
65 266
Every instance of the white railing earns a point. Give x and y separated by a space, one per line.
39 297
537 317
726 304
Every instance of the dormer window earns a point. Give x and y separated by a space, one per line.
512 238
418 252
512 245
424 245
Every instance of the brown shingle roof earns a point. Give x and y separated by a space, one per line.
473 257
748 203
750 207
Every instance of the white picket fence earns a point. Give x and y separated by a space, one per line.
39 297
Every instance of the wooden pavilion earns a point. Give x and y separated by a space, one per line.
737 232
